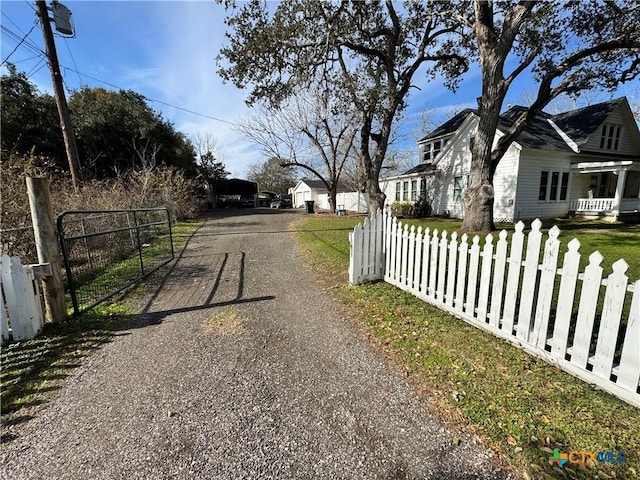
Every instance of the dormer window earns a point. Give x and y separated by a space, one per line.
431 150
611 137
437 146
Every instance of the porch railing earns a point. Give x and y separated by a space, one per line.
592 204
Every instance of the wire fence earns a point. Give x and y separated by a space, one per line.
107 251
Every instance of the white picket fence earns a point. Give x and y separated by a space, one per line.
21 316
532 302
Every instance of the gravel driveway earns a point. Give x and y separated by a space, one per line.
241 367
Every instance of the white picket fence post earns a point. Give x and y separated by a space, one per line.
528 301
367 257
22 298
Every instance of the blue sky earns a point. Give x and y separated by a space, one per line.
166 50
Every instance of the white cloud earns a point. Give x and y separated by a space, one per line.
181 71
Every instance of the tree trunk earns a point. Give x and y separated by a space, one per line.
478 208
376 196
333 194
478 197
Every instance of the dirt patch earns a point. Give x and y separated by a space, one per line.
225 322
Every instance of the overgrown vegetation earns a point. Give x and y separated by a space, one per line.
137 188
522 407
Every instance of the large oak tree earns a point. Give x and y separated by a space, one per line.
367 54
569 46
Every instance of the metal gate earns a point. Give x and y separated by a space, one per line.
106 251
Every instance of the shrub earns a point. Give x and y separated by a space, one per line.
423 207
402 209
139 188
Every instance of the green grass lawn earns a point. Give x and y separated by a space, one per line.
521 406
32 370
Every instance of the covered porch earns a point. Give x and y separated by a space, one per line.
606 189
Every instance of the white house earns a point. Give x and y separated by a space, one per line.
316 190
307 189
584 161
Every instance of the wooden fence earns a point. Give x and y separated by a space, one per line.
585 324
21 316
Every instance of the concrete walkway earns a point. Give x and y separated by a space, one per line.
241 367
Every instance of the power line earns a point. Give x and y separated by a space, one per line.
26 43
30 5
35 49
74 61
18 45
26 59
38 66
14 23
154 100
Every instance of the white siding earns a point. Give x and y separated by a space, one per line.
505 183
627 147
350 201
532 163
302 192
323 201
388 186
454 162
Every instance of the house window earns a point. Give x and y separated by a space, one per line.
414 190
423 187
398 188
437 146
611 136
458 185
431 150
554 186
564 185
405 191
472 141
553 192
632 186
544 179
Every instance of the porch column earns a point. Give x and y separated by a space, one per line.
622 178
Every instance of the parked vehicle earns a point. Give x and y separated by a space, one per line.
247 201
281 201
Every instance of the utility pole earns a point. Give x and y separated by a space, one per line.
63 110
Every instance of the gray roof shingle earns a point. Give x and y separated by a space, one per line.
421 168
450 125
578 125
342 187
